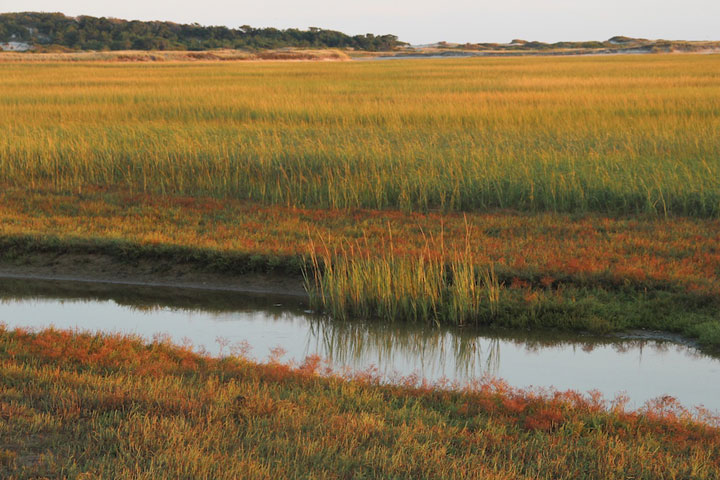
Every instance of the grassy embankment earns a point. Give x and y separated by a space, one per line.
85 406
601 176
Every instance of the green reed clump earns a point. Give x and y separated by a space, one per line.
461 292
459 289
423 289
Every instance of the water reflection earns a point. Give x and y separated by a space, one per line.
466 354
643 368
434 349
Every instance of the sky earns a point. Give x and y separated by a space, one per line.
424 21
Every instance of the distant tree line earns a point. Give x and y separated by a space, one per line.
617 43
91 33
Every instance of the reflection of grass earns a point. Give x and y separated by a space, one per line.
67 400
355 343
468 352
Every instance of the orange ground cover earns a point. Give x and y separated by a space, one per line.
681 253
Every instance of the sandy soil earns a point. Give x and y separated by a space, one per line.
102 269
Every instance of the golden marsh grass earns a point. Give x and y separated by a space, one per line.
631 134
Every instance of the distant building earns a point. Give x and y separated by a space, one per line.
15 47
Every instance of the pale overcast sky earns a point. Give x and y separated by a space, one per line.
424 21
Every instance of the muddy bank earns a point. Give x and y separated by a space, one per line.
97 268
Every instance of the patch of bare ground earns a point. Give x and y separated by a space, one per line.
152 273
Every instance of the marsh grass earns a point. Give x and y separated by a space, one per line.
457 288
80 405
630 135
621 135
353 282
393 288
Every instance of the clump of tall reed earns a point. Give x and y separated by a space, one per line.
352 282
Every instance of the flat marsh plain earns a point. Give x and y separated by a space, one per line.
619 135
570 193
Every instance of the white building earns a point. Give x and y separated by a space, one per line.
15 47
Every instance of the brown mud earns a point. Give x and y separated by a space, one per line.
97 268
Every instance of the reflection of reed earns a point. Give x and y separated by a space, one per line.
430 351
492 366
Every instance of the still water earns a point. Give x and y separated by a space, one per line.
642 369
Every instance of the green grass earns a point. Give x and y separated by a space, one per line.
429 290
614 135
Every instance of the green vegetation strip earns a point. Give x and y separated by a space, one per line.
462 293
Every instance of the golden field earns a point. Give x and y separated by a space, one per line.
537 193
591 184
616 135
